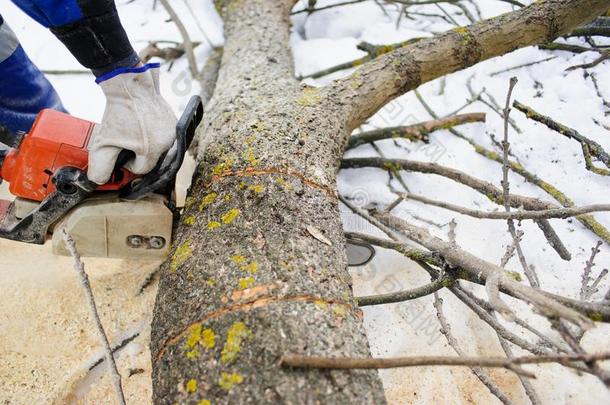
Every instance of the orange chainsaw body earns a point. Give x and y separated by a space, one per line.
56 140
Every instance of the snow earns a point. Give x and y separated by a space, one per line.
324 39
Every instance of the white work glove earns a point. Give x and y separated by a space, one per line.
136 118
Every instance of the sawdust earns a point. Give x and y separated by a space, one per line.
47 339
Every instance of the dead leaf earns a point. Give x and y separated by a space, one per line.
316 233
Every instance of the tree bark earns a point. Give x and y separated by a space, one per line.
258 267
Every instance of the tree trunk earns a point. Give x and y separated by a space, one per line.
258 267
248 281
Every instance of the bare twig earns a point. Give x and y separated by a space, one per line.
342 363
600 277
391 173
522 66
529 272
359 211
373 51
188 44
117 347
484 187
478 270
585 290
481 375
337 68
84 279
486 317
198 23
587 220
310 10
416 132
554 46
491 104
599 312
604 56
590 148
598 91
393 205
527 385
476 304
510 249
553 239
516 215
572 341
408 295
475 98
479 267
514 3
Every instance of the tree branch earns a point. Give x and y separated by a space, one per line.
188 44
378 82
527 270
480 268
590 148
337 363
599 312
587 220
600 26
553 238
489 190
416 132
478 372
518 215
407 295
480 307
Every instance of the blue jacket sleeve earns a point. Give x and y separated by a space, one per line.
90 29
24 90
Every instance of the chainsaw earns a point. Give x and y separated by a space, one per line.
128 217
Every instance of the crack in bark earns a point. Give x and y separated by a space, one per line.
252 172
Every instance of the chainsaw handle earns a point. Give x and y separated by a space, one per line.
161 176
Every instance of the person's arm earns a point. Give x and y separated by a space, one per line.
136 117
90 29
24 90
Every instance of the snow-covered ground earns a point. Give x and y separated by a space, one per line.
46 338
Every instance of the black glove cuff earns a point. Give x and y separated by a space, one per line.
98 43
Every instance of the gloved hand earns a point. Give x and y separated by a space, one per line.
136 118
